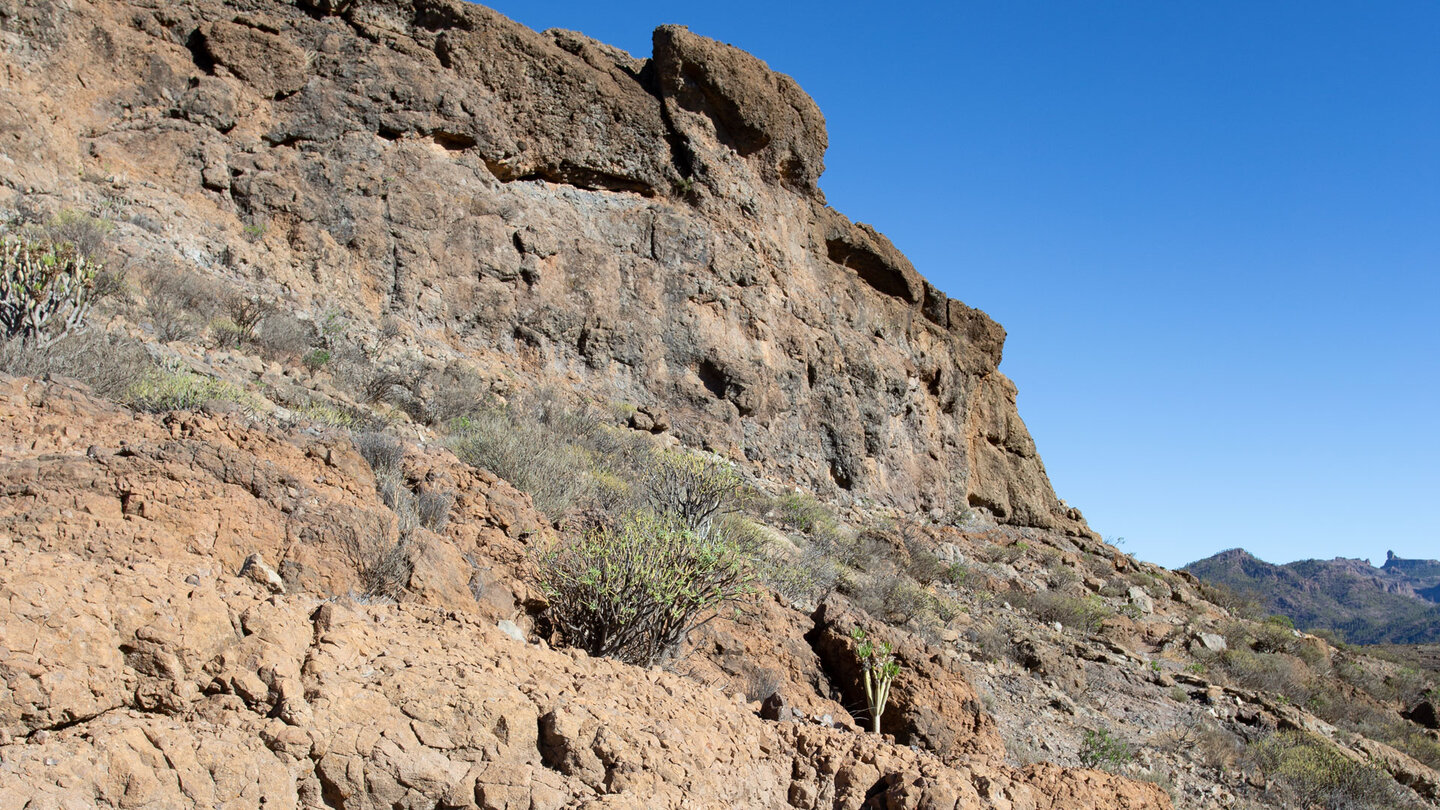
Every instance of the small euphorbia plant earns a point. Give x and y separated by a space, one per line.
878 664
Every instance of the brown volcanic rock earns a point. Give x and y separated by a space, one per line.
931 704
258 57
293 703
548 208
87 477
760 114
139 669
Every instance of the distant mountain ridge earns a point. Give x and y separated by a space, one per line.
1396 603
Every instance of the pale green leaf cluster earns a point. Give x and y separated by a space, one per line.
878 668
1101 749
633 590
179 389
45 289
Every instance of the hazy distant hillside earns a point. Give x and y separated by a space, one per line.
1395 603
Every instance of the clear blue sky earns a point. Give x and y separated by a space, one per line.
1211 229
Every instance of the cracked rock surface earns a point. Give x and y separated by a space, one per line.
139 669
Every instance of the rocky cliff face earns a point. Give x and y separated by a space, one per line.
540 206
462 210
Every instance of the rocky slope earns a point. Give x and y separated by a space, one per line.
142 668
241 563
1395 603
539 205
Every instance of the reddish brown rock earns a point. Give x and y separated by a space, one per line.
738 101
931 704
542 206
139 668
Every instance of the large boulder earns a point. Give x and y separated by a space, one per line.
717 92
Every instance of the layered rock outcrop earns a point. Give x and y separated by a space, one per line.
539 205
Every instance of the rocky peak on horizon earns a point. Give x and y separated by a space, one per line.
1398 602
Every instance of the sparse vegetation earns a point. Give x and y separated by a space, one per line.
1101 749
762 682
180 303
992 642
315 359
804 577
1087 614
878 667
176 388
109 364
530 454
695 489
279 335
803 513
1316 774
382 562
45 290
635 589
890 595
86 233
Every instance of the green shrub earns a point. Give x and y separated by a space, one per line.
1416 743
1315 773
1087 614
174 388
1273 636
45 290
1101 749
634 590
530 455
851 549
1283 674
315 359
803 513
693 488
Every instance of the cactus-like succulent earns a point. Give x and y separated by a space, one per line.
44 289
879 668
